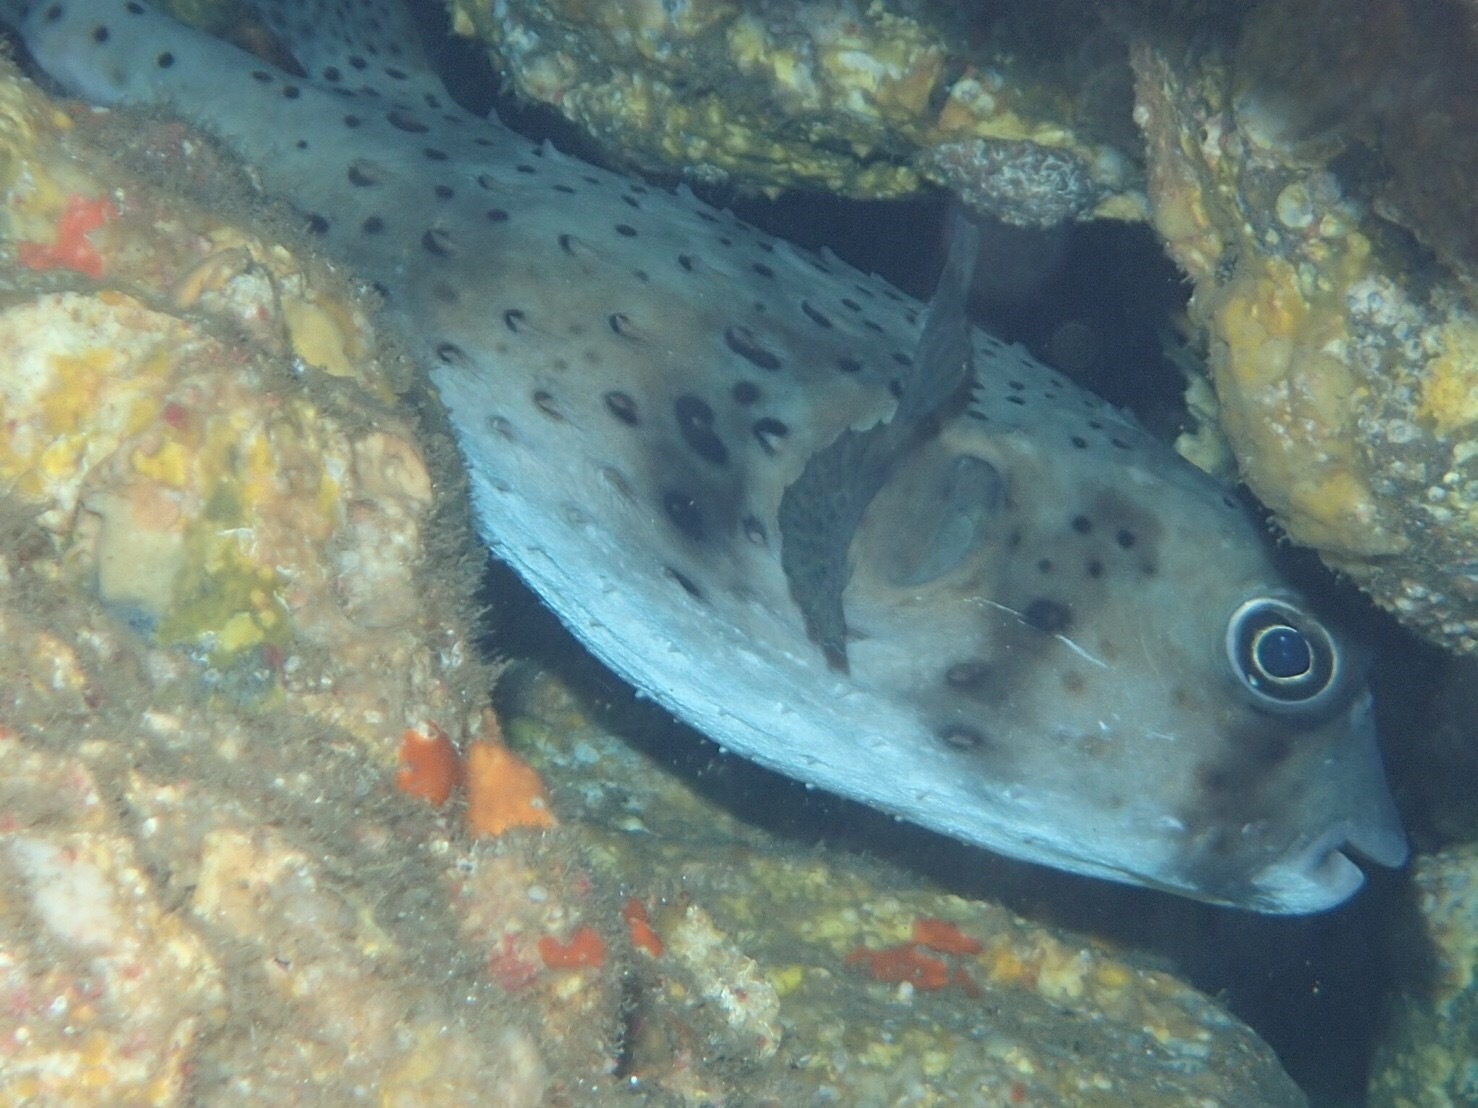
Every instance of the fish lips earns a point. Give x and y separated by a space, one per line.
1321 874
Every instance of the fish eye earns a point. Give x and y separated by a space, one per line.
1282 655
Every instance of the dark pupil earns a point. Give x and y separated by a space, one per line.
1283 653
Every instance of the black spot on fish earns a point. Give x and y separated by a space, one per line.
686 261
393 73
445 293
545 402
261 76
1082 524
902 359
768 431
849 365
620 323
1044 565
449 353
495 215
357 62
405 121
164 60
432 154
525 168
352 121
689 586
513 319
1120 444
815 316
848 302
742 341
960 737
444 192
695 421
1079 442
626 230
1049 616
682 509
1016 400
291 92
569 190
1125 538
762 269
438 243
970 677
632 202
317 224
332 74
623 407
372 225
1094 568
362 176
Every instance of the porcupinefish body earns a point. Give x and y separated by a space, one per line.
1031 627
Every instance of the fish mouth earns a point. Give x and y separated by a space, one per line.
1322 874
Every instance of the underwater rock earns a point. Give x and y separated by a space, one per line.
1429 1055
882 990
228 588
1344 357
845 97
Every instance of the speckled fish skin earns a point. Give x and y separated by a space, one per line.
1064 644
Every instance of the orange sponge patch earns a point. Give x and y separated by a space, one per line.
585 948
643 936
945 937
429 766
503 791
71 250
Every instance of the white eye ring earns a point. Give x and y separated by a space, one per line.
1282 656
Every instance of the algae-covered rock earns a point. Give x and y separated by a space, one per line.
804 977
1429 1056
229 592
1344 357
1016 105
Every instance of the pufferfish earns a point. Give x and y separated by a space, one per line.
853 539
